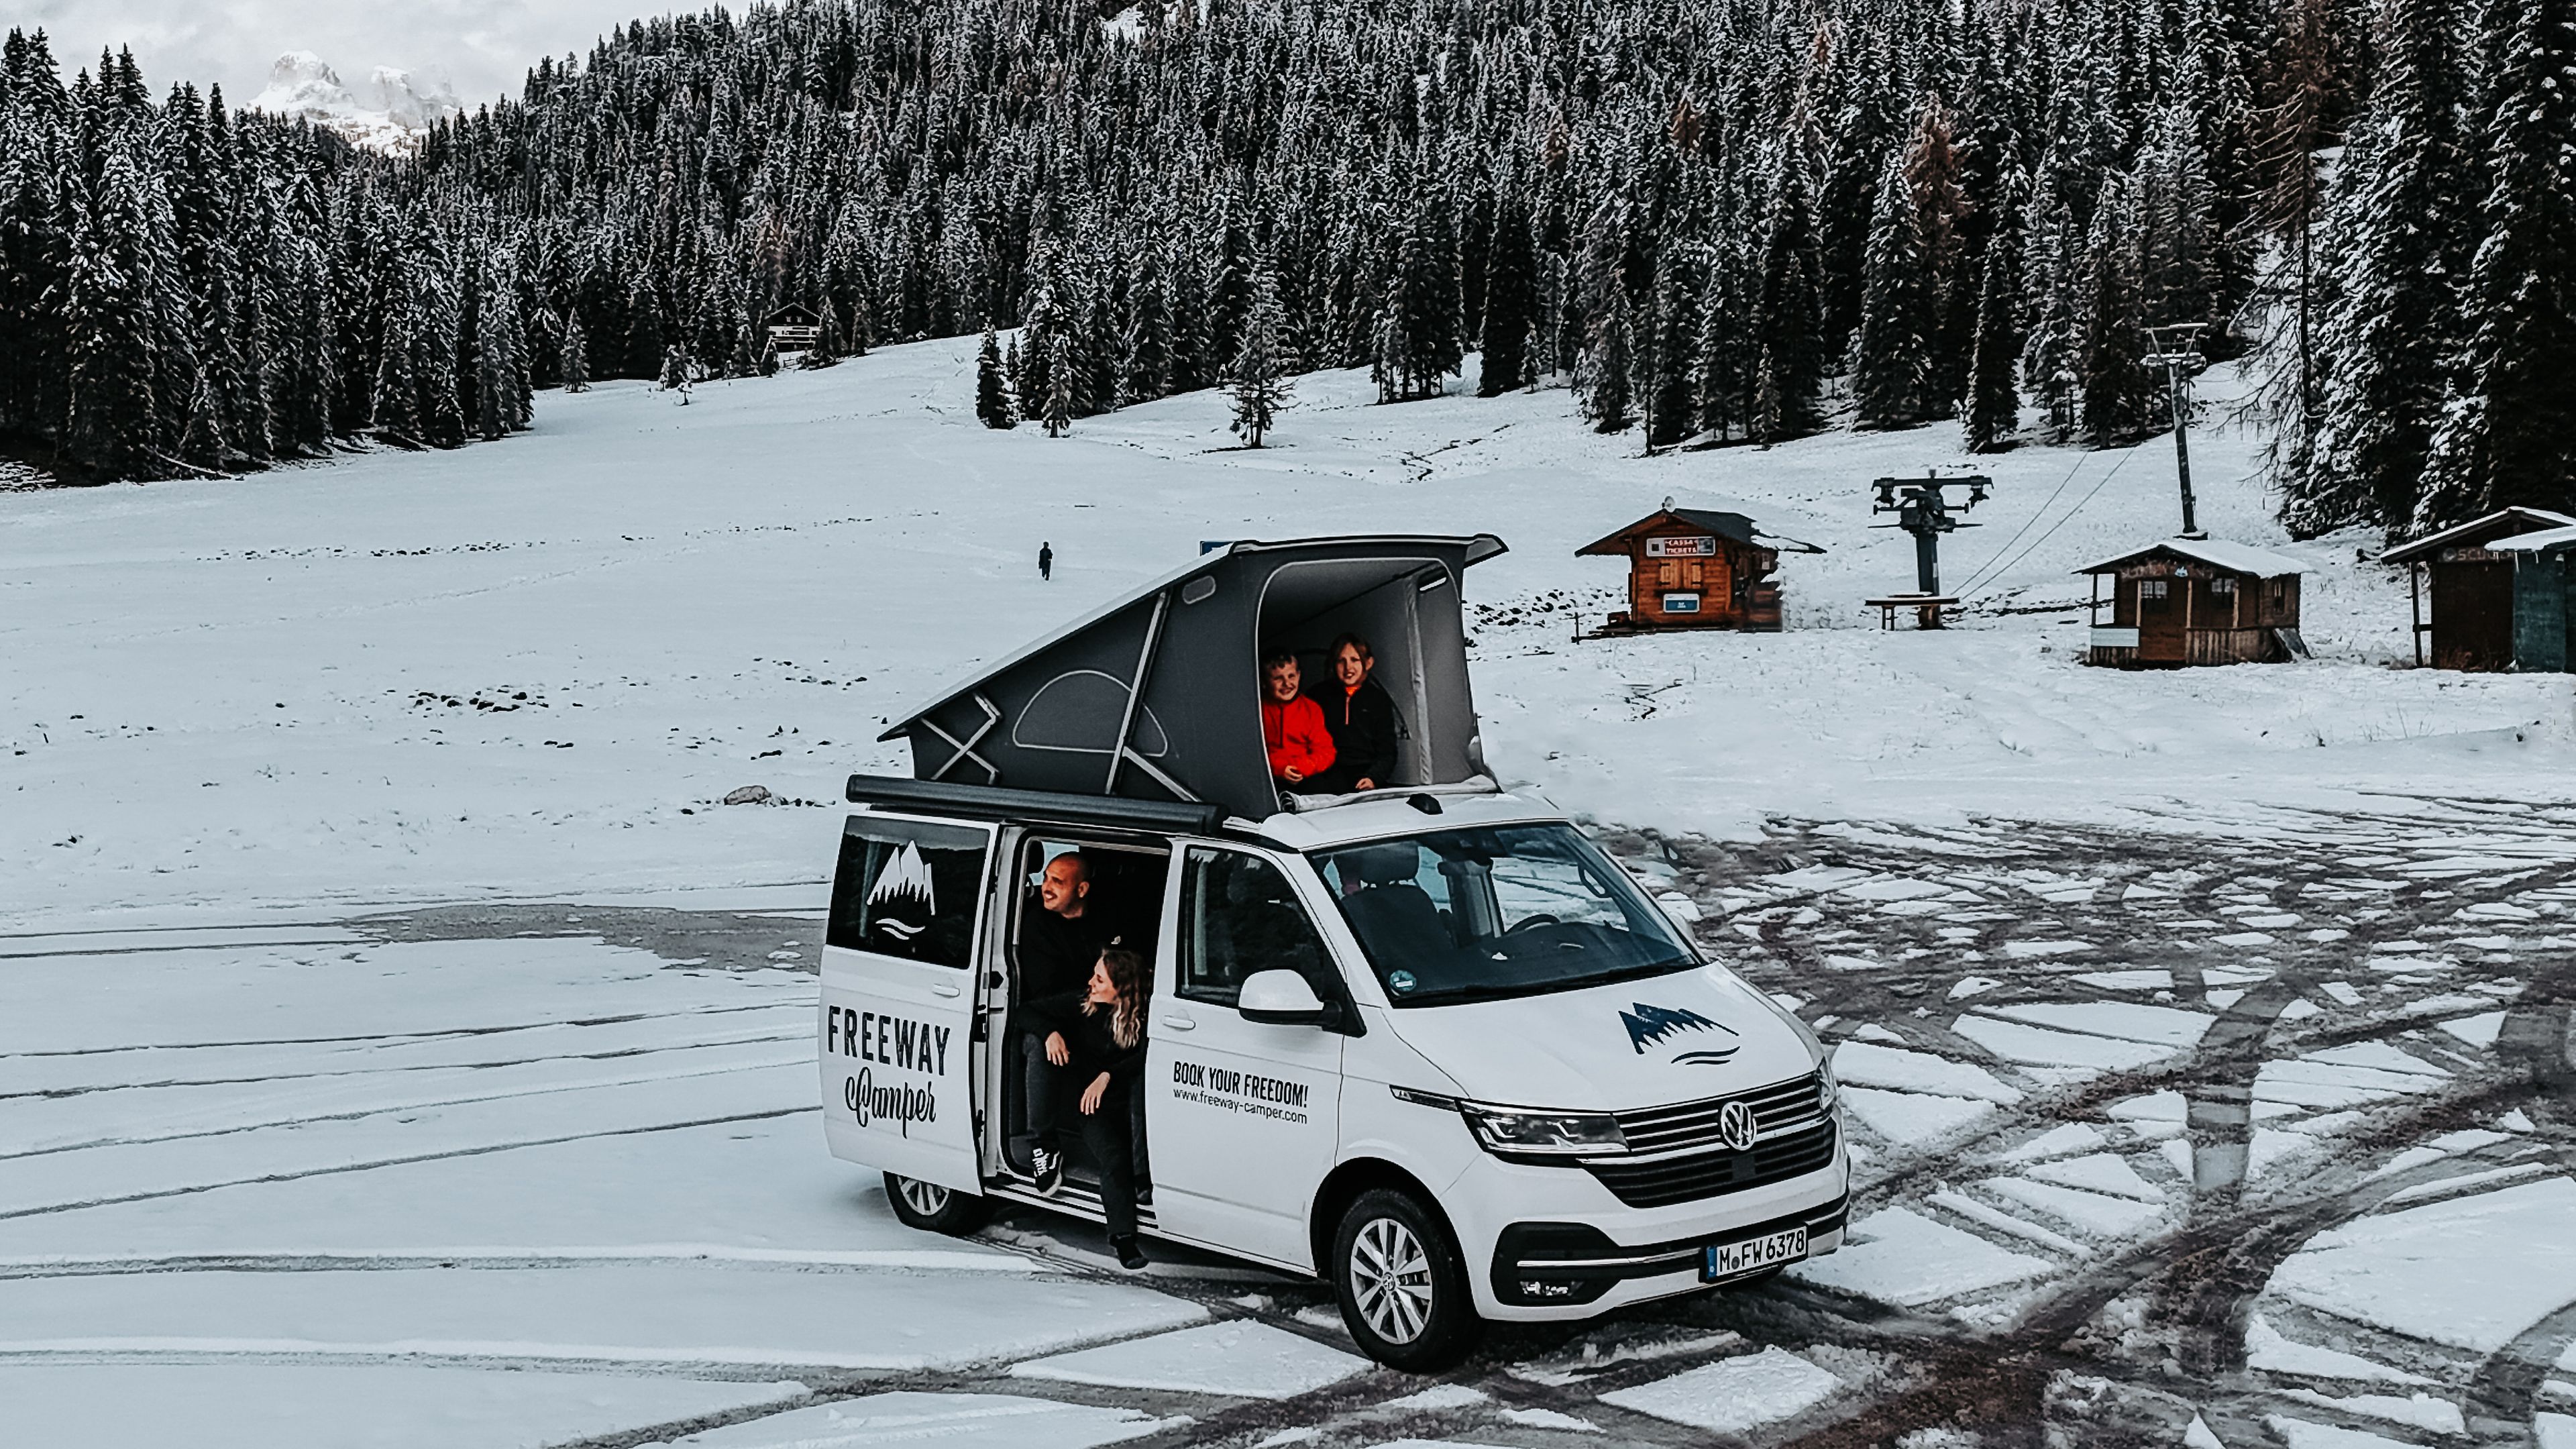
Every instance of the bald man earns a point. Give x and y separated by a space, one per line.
1062 932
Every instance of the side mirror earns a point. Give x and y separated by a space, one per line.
1282 998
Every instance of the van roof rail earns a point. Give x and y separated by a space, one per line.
995 802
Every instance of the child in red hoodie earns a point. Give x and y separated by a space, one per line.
1292 726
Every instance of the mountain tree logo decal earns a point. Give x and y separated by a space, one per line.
1647 1024
903 889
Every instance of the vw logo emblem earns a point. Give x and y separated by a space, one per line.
1735 1126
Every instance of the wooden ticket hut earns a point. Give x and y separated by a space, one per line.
1696 568
2196 601
2471 584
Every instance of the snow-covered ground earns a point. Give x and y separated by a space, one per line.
400 1044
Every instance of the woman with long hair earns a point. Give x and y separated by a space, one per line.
1096 1038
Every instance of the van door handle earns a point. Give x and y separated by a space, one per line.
942 988
1180 1023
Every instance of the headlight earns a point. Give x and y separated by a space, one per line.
1515 1130
1829 1092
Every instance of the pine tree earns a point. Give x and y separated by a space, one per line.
2119 395
1511 301
1892 371
2291 132
2506 439
2403 218
1041 328
1670 363
2053 278
1723 363
826 351
1147 372
1933 182
992 400
645 342
1421 342
1100 355
1789 363
396 405
1994 402
1060 372
576 355
1259 381
114 423
1607 366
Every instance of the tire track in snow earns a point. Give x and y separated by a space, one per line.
422 1104
611 1054
365 1038
397 1160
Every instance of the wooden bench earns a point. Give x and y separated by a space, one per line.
1927 608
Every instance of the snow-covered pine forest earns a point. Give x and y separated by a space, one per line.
1718 221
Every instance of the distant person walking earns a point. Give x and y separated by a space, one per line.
1046 561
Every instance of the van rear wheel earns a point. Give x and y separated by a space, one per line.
1402 1284
935 1209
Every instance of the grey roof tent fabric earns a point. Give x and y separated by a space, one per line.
1156 696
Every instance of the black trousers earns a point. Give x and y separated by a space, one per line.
1046 1083
1108 1134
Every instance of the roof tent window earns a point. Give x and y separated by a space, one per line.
1384 601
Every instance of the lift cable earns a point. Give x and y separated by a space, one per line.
2062 521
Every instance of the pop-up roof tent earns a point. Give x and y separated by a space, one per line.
1156 696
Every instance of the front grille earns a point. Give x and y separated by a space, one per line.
1694 1124
1699 1175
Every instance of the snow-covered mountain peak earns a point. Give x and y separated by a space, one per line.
387 113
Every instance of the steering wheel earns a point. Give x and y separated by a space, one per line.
1526 922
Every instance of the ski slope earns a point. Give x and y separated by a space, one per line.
530 668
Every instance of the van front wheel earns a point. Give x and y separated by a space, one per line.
1402 1285
935 1209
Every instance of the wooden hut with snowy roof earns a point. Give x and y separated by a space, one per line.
1155 696
795 328
1696 568
2196 601
2471 587
2544 599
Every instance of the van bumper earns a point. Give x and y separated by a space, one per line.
1571 1250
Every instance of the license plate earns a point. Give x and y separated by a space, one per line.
1752 1255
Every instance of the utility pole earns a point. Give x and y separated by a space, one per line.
2175 347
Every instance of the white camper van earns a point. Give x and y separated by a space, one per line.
1428 1042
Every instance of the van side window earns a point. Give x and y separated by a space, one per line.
1238 916
907 890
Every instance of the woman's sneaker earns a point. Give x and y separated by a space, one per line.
1049 1168
1130 1256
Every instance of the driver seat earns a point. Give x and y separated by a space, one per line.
1391 914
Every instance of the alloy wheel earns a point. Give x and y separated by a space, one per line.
1391 1278
928 1199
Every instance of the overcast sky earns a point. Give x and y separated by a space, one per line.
482 47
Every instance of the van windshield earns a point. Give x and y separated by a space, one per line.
1514 910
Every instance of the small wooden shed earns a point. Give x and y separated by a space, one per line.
1696 568
2196 601
2544 599
795 328
2471 584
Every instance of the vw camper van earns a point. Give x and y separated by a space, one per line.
1426 1042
